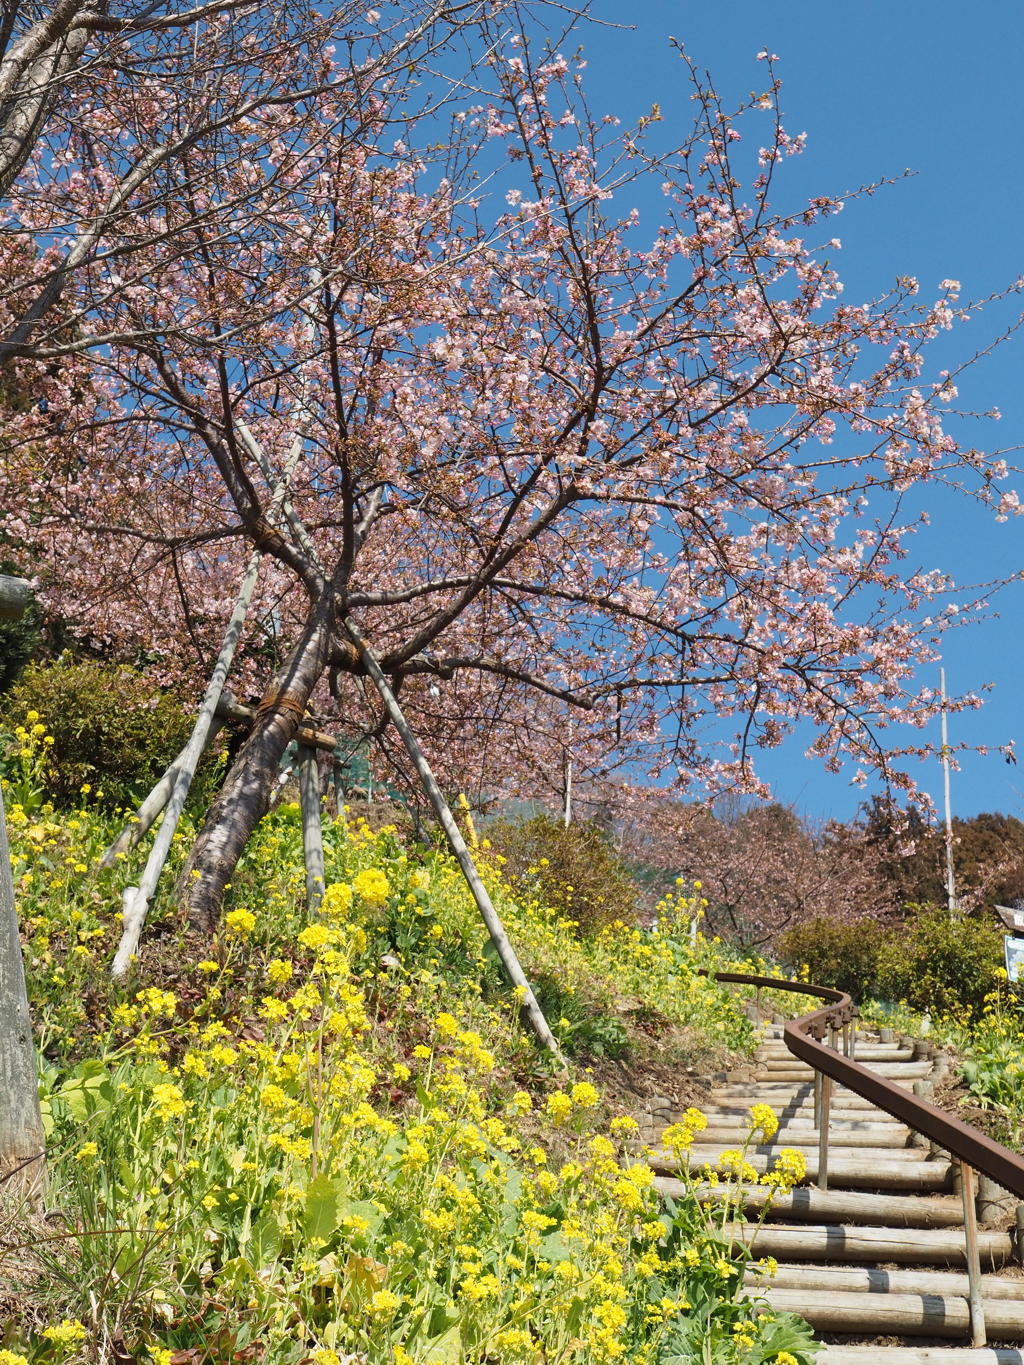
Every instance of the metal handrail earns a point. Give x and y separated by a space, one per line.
803 1037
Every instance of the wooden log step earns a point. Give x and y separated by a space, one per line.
856 1112
805 1134
919 1355
878 1052
845 1171
710 1151
834 1242
932 1315
798 1071
810 1204
875 1280
782 1097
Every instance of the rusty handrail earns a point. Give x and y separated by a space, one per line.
803 1038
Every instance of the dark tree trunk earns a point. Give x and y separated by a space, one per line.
245 796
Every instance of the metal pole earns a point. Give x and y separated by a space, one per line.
817 1099
978 1334
950 885
312 829
826 1095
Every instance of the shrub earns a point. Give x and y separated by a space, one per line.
572 868
835 953
112 729
936 963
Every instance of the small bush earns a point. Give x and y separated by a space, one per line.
112 729
835 953
936 963
572 868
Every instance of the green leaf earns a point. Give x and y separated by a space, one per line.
321 1208
444 1350
266 1239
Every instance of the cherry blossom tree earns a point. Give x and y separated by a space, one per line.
548 458
762 869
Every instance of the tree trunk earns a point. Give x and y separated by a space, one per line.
245 796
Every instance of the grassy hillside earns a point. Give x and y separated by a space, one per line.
331 1141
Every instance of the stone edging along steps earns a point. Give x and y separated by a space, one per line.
880 1255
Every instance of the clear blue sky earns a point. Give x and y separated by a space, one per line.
880 87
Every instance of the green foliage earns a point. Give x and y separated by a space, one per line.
835 953
572 868
18 642
113 731
584 1027
329 1136
937 963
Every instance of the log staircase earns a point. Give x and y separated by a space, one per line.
878 1260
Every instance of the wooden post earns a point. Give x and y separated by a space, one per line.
817 1099
496 930
148 813
312 828
967 1194
22 1141
826 1096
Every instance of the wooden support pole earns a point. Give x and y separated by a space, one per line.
506 953
826 1096
312 828
146 816
967 1194
136 899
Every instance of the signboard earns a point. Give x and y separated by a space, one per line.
1012 918
1013 952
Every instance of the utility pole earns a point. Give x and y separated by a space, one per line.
950 885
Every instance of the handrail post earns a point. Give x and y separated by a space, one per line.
826 1096
977 1305
817 1099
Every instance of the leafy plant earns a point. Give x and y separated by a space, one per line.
573 868
113 731
937 963
835 953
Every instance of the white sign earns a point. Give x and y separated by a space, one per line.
1013 951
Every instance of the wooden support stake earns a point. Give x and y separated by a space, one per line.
146 816
967 1194
312 828
502 945
826 1096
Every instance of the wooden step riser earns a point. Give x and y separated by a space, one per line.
893 1071
865 1157
863 1054
917 1355
908 1314
811 1205
916 1177
878 1246
780 1097
806 1135
871 1280
860 1112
